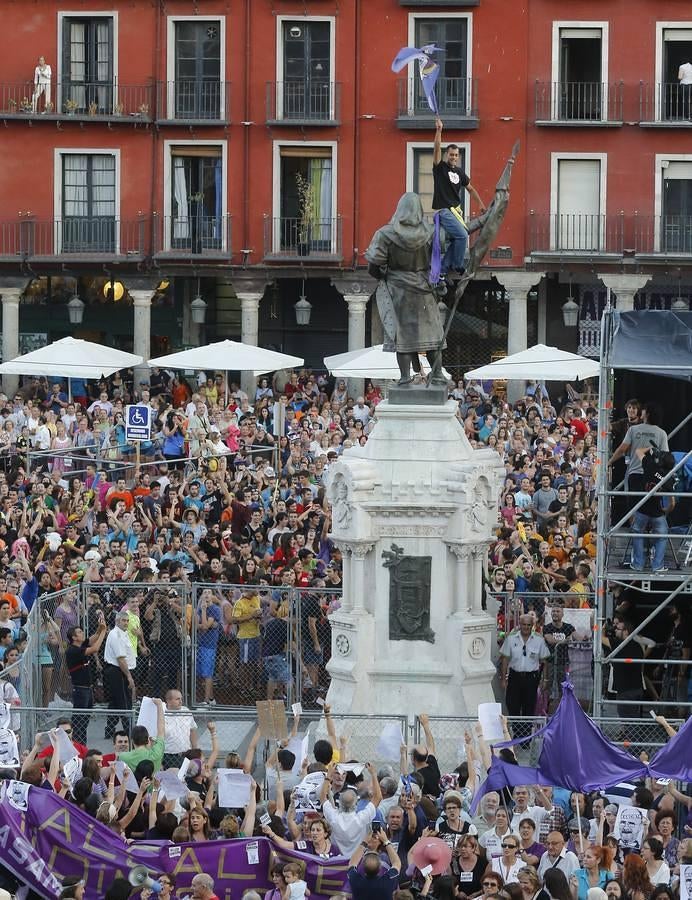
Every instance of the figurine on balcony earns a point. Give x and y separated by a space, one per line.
42 82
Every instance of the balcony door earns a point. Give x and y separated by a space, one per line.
453 86
88 203
196 201
306 92
675 99
578 225
87 65
676 221
581 88
198 89
307 222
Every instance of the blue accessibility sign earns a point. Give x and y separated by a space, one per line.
138 422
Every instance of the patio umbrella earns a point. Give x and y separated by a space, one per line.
539 363
370 362
223 356
71 358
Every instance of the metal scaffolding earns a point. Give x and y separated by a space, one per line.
612 569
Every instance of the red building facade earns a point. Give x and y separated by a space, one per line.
244 151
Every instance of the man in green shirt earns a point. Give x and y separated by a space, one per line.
143 746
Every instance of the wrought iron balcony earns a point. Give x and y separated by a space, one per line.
292 239
577 234
578 103
665 104
193 236
302 102
82 100
457 100
74 237
197 100
665 235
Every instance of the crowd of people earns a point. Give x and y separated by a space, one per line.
407 830
100 536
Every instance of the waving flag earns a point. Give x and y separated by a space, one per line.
428 69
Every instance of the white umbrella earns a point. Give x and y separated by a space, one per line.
71 358
223 356
539 363
370 362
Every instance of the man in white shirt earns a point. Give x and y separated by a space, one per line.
557 857
349 827
120 660
522 810
181 730
685 79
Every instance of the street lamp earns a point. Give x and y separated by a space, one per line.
303 308
199 310
75 310
570 310
113 290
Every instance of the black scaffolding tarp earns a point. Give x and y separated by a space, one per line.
655 341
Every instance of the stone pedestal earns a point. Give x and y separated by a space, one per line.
411 634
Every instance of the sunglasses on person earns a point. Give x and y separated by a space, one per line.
489 884
508 846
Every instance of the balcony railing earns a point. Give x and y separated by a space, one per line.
670 235
74 237
665 104
79 99
291 239
576 234
193 100
208 236
302 102
578 102
457 100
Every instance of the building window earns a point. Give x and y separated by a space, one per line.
454 85
88 203
421 177
579 220
581 87
306 90
197 221
87 64
675 93
198 90
307 222
676 218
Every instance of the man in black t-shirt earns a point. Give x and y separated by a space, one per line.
77 661
557 636
449 180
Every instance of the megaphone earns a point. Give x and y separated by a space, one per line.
139 877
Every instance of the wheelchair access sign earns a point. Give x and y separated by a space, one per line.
137 423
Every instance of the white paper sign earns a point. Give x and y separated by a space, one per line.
184 769
66 749
4 716
685 882
630 827
297 709
130 781
170 786
389 744
9 753
149 716
345 768
299 746
234 788
252 851
489 716
73 769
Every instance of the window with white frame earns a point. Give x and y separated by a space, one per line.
305 88
453 88
196 198
87 64
676 207
674 76
580 71
307 221
578 221
89 203
197 89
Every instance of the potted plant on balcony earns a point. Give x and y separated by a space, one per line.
71 106
26 105
306 214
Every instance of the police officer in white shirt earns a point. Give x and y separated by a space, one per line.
522 654
120 660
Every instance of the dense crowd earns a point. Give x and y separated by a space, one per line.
408 830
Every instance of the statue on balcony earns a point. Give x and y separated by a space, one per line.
43 75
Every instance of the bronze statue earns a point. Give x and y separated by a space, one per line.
399 257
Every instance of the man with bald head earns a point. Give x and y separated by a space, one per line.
203 887
557 856
424 762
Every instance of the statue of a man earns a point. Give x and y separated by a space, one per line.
399 257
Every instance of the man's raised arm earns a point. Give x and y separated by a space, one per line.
437 146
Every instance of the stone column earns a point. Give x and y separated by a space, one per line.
10 335
141 343
355 294
462 575
249 333
517 285
624 287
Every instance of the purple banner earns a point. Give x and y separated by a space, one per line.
44 838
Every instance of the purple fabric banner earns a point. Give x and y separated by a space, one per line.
675 756
43 838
